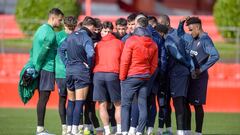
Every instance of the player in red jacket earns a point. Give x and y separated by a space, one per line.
139 60
106 75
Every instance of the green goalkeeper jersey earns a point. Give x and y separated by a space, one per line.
44 48
60 70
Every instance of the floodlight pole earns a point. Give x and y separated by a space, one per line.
88 7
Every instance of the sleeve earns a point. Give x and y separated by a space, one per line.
180 29
174 52
213 55
125 60
89 49
62 52
163 57
154 61
43 53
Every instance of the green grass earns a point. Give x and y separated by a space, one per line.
23 122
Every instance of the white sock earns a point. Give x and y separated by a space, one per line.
149 130
64 128
69 129
160 130
124 133
107 130
138 133
197 133
118 128
74 129
188 132
169 129
40 128
180 132
132 130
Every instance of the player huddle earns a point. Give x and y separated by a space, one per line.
126 68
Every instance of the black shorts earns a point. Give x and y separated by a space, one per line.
106 86
62 86
46 81
179 86
198 90
75 82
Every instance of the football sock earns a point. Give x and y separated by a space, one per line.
199 115
41 106
78 110
179 105
70 108
62 109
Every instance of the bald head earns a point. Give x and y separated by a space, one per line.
164 20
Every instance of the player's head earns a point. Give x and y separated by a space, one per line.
121 26
164 20
152 20
107 27
161 29
70 23
55 17
98 27
89 23
141 21
131 22
194 26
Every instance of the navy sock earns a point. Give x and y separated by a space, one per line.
70 108
78 110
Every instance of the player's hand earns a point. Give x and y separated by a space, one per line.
185 18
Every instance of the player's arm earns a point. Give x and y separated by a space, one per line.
62 51
154 61
213 55
88 46
174 52
125 59
43 53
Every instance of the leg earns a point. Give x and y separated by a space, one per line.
127 93
70 109
199 115
117 106
41 106
80 96
179 108
152 111
142 105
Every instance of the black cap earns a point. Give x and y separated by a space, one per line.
193 20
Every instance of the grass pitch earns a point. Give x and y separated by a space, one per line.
23 122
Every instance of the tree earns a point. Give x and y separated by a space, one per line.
227 14
30 14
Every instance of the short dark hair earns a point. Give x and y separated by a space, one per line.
55 11
107 24
165 18
161 28
131 17
193 20
87 21
98 23
121 21
70 22
143 22
152 18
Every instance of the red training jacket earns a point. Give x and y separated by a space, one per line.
139 57
108 53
